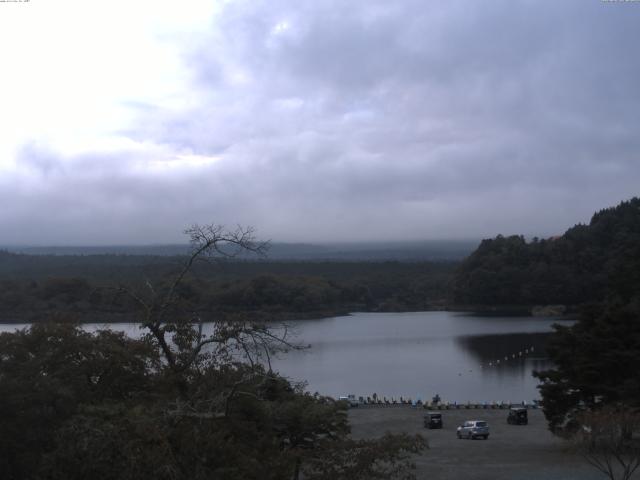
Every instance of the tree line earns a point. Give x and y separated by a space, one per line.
81 286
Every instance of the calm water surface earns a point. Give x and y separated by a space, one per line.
421 354
414 355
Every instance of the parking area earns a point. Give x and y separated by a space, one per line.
512 452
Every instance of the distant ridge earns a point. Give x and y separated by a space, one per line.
429 250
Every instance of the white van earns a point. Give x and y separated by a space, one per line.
351 400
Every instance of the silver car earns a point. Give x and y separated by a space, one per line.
473 429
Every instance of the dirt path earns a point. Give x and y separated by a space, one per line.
512 452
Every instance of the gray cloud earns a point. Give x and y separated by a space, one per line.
368 121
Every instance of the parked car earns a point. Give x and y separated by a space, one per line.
351 400
473 429
517 416
433 420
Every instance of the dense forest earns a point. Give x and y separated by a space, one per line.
32 286
587 264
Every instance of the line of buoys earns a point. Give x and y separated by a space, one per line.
495 363
513 356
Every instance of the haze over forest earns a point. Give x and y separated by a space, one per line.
314 121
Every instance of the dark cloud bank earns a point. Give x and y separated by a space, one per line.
337 121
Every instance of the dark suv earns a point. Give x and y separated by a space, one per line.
433 420
517 416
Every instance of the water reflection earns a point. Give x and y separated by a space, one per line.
510 351
509 359
413 354
420 354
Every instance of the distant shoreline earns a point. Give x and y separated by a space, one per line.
264 316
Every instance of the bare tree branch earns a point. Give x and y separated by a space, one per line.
162 313
608 440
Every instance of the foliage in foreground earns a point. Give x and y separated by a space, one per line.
597 361
180 403
78 405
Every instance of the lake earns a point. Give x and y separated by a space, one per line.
459 356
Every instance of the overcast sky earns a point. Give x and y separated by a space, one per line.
124 122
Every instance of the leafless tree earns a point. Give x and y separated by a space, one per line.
609 440
178 331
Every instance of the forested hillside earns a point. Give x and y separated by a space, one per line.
31 287
586 264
